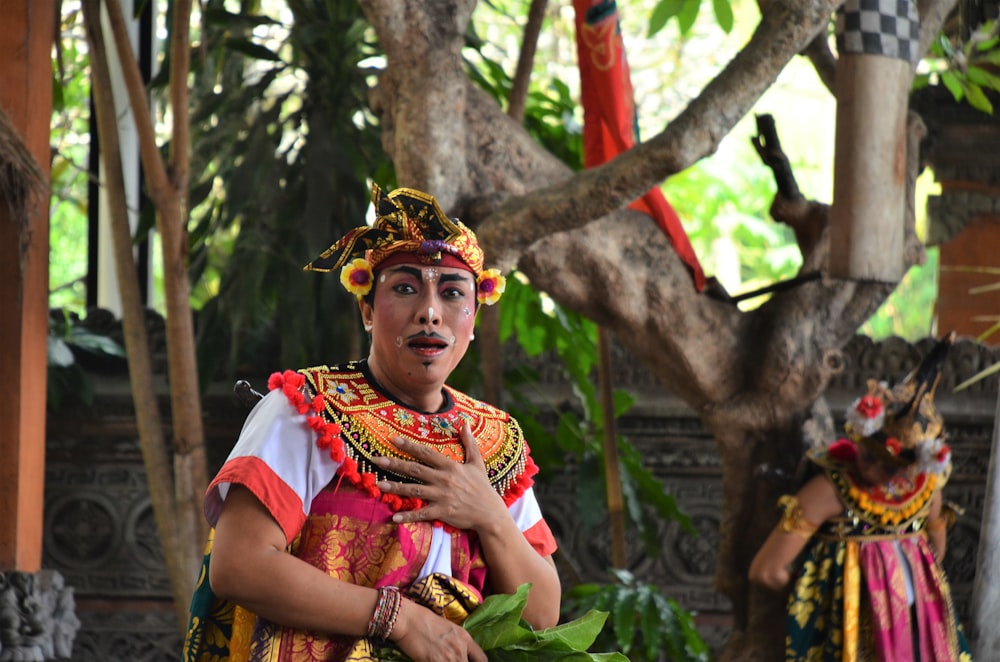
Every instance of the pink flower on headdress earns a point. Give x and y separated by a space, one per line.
357 277
490 286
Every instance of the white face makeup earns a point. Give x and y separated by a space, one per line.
422 326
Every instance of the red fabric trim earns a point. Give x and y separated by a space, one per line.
540 537
521 484
280 500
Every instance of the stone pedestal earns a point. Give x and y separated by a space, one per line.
37 617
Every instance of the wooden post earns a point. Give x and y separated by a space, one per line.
26 33
869 191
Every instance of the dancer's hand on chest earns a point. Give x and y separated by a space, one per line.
456 493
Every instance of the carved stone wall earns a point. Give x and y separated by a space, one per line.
99 531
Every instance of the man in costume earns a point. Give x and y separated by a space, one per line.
369 505
860 543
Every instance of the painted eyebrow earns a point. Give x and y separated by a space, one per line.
460 278
418 274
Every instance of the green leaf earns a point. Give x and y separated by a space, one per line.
723 14
688 15
578 634
496 622
993 57
95 343
221 17
977 98
252 49
663 12
498 629
59 353
954 86
624 618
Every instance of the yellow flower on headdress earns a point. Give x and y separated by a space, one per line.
357 277
490 286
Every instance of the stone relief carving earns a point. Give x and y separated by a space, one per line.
37 617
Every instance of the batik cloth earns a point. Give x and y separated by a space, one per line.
306 452
869 587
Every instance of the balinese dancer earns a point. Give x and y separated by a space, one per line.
370 504
860 543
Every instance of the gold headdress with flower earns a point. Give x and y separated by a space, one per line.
407 221
900 426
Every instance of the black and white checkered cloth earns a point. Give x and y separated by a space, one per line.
879 27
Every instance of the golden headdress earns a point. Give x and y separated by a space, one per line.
410 222
900 426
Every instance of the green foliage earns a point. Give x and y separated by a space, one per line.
496 625
69 178
283 148
549 107
907 311
644 623
726 211
685 12
541 326
967 68
70 346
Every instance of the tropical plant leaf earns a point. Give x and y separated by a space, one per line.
723 14
663 12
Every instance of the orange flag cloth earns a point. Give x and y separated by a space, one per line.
609 126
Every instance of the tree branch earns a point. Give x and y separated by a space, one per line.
526 60
783 32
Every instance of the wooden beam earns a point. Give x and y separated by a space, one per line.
26 34
869 173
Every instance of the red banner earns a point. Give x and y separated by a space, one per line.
609 126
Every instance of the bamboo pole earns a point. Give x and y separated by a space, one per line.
152 443
612 468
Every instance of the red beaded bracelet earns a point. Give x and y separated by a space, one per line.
386 611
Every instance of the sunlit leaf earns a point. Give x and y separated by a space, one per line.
723 14
663 12
953 84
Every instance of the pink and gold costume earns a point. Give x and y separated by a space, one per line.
306 453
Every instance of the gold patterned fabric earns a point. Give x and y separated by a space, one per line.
869 587
349 533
